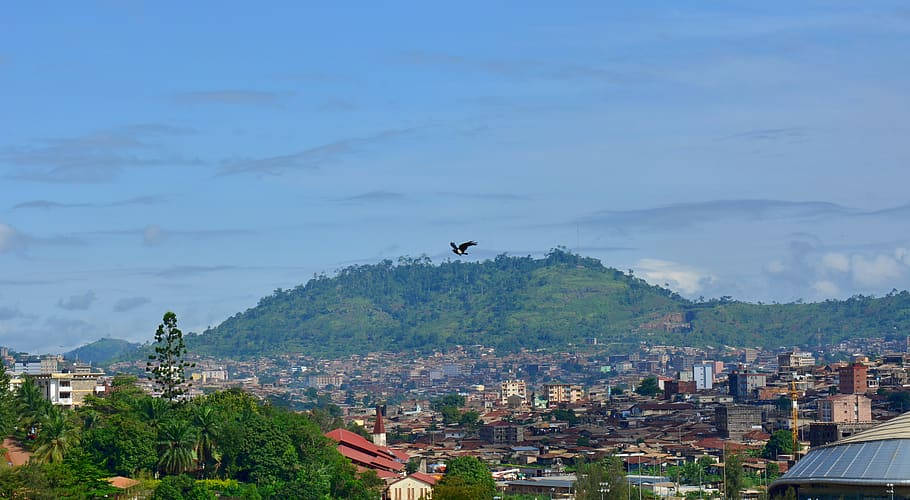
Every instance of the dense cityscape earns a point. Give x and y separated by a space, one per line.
671 415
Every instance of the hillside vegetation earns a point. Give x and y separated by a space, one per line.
515 302
102 350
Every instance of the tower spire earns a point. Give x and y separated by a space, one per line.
379 429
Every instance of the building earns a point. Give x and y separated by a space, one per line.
673 387
821 433
502 432
322 381
563 393
510 388
845 408
852 379
734 421
749 355
871 464
743 385
794 360
379 438
417 486
703 374
366 455
69 389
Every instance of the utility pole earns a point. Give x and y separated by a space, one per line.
794 416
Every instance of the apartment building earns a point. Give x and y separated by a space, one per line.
511 388
563 393
845 408
69 389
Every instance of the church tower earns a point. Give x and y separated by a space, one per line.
379 429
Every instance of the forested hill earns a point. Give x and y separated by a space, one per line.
514 302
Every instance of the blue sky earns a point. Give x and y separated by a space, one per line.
160 156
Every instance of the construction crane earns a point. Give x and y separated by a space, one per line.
794 416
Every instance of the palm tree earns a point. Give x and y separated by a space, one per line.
153 410
206 420
176 447
31 406
55 438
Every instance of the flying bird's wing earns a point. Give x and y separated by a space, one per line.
454 246
464 246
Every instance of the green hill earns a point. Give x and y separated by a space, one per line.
101 351
514 302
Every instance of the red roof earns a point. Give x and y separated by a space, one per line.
378 428
400 455
362 452
426 478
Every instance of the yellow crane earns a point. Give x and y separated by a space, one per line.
794 416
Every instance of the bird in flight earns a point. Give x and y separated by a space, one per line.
462 249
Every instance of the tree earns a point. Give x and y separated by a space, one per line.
31 407
466 475
772 470
55 438
7 403
734 481
648 387
781 443
176 447
168 369
604 479
206 421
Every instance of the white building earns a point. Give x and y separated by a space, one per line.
703 375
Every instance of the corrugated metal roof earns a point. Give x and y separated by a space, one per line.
879 456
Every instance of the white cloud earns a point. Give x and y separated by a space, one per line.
681 277
826 289
775 267
10 239
836 262
879 270
902 255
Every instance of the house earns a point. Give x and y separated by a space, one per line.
417 486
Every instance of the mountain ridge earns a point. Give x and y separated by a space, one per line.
513 302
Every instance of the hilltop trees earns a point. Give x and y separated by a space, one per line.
168 367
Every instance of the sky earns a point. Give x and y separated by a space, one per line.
195 156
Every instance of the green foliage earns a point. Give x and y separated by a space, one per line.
789 494
73 478
176 447
55 438
7 403
31 407
648 387
772 470
182 487
564 415
102 351
781 443
604 479
453 399
466 477
168 367
512 302
734 477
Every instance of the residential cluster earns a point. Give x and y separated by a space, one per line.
533 416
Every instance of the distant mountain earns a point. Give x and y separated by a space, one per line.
102 351
514 302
